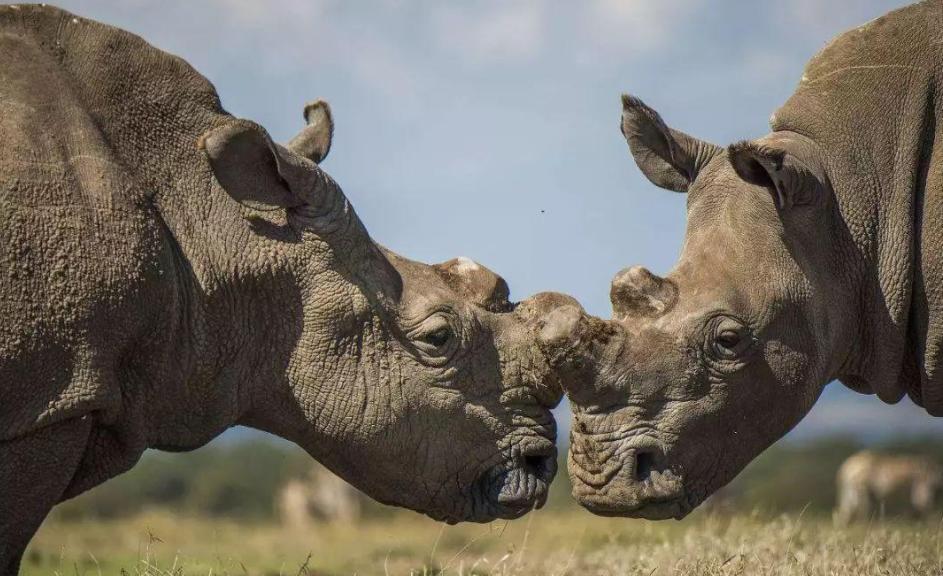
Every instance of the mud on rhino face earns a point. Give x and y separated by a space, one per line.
422 385
707 367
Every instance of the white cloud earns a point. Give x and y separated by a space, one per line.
814 16
763 66
825 20
295 37
637 24
273 33
287 15
491 31
379 65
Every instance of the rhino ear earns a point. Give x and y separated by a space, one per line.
669 159
249 166
314 140
790 181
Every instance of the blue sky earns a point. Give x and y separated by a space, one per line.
490 128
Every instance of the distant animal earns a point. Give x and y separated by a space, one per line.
813 253
168 271
867 479
319 496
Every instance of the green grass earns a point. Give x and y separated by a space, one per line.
543 543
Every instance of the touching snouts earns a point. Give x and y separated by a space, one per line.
636 292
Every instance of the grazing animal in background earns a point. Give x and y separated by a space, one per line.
168 271
867 479
811 254
320 496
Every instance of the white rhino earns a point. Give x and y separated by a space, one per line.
167 271
811 254
868 478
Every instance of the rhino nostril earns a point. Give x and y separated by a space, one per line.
541 466
644 465
535 462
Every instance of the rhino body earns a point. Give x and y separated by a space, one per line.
167 271
812 254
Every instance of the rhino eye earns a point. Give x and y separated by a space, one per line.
731 339
438 338
728 339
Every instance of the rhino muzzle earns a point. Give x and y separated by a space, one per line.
624 475
521 484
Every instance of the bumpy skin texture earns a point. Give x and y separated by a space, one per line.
167 271
811 254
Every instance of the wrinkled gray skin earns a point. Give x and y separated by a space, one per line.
167 271
811 254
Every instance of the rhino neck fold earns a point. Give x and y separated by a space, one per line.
870 101
340 400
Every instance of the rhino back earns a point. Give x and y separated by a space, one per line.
95 126
871 100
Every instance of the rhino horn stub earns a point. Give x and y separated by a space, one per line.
573 342
314 140
543 303
637 292
476 283
559 322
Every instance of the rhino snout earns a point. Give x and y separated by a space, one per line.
575 345
625 475
557 321
560 328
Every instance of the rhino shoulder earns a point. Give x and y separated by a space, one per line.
902 45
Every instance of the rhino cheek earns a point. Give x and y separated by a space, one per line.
423 454
742 418
456 442
439 455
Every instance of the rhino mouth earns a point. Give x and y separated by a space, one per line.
635 482
520 483
658 497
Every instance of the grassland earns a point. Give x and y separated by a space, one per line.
550 542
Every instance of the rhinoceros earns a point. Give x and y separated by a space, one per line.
167 271
811 254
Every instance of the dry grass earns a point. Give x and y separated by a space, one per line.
544 543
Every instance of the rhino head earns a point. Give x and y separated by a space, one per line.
705 368
422 385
